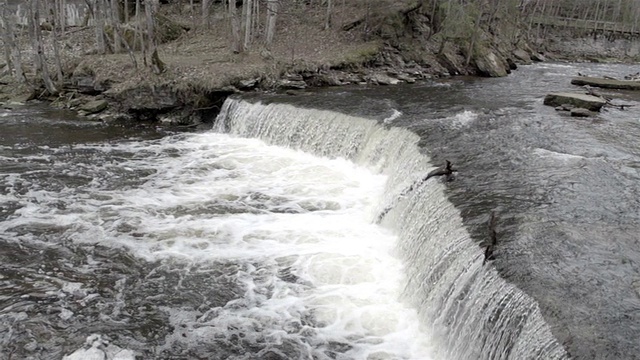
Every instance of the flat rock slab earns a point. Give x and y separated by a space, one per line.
592 103
606 83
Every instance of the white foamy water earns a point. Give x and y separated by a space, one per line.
462 119
315 270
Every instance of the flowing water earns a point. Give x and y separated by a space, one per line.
300 228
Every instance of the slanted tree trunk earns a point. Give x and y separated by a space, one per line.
39 59
272 15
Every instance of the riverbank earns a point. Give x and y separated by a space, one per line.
201 70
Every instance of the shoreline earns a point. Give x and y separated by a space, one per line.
201 71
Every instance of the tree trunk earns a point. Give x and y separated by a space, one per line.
256 19
474 36
39 58
115 25
62 15
327 21
247 6
206 23
272 15
99 26
235 27
138 38
55 40
11 51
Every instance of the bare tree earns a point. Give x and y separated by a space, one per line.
327 22
247 7
12 51
206 9
235 27
39 58
272 14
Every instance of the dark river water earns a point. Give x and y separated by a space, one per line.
271 242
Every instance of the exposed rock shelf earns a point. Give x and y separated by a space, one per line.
606 83
589 102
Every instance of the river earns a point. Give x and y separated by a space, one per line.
299 227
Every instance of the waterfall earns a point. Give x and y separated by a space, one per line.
470 311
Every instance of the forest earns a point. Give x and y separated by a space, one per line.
36 34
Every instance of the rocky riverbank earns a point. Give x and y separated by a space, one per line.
201 70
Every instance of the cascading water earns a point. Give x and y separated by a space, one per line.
470 311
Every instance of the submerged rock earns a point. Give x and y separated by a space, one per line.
580 112
563 99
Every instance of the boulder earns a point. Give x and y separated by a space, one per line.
292 84
580 112
406 78
94 106
522 56
489 64
247 84
384 79
538 57
563 99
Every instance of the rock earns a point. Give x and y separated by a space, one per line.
522 56
247 84
23 98
512 64
580 112
538 57
292 84
324 79
95 106
577 100
144 98
489 64
294 77
86 84
384 79
606 83
452 62
406 78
